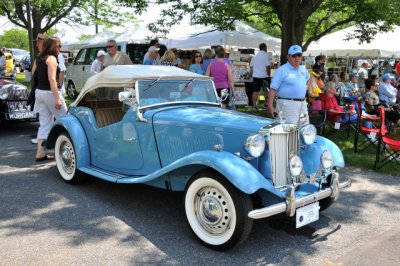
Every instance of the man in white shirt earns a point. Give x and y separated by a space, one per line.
153 43
260 68
362 76
61 65
97 63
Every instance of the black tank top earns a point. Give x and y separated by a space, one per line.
42 76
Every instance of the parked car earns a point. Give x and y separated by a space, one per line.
13 98
79 71
25 63
17 54
164 127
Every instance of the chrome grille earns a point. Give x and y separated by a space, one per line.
281 145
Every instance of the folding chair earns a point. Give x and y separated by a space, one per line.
333 125
317 115
388 145
364 136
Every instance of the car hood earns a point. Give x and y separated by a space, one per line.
209 118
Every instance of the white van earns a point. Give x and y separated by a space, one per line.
79 70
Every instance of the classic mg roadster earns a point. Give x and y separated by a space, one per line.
164 127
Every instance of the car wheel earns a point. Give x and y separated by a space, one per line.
65 156
217 211
71 91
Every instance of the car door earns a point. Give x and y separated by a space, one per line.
75 72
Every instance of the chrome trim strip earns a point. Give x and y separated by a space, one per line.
292 204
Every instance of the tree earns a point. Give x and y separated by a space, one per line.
46 14
297 21
15 38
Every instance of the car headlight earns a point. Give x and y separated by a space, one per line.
327 159
3 93
255 145
295 165
309 134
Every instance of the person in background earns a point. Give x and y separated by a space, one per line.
63 68
222 74
335 112
260 67
397 67
320 65
97 63
386 67
207 59
153 55
49 102
339 87
115 57
177 58
315 86
196 61
248 83
362 76
372 102
387 93
289 85
331 65
168 59
156 44
2 64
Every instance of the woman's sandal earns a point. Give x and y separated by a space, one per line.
44 158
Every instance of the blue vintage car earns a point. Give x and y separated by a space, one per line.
164 127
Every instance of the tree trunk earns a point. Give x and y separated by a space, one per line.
293 15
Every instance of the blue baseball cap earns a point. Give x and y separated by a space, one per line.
295 49
387 76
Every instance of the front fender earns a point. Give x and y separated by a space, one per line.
311 154
72 126
238 171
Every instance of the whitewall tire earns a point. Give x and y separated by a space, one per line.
217 211
65 156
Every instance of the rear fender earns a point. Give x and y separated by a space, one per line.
71 125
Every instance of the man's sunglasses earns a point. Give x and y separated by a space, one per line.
110 46
296 55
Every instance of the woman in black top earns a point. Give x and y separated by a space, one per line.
49 101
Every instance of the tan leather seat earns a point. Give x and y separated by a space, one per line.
108 116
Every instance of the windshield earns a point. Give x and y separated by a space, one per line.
152 92
19 52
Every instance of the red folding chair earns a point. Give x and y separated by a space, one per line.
388 144
333 125
364 136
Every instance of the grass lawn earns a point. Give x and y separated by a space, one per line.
365 159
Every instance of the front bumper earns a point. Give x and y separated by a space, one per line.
291 203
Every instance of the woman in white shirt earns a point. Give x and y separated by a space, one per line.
96 65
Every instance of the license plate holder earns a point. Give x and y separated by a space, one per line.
307 214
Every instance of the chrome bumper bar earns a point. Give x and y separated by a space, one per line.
292 203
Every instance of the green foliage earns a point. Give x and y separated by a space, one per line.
295 21
15 38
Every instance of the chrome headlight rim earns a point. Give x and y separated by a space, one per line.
4 94
308 134
295 166
327 159
255 145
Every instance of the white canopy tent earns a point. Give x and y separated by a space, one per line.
384 45
243 36
97 38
